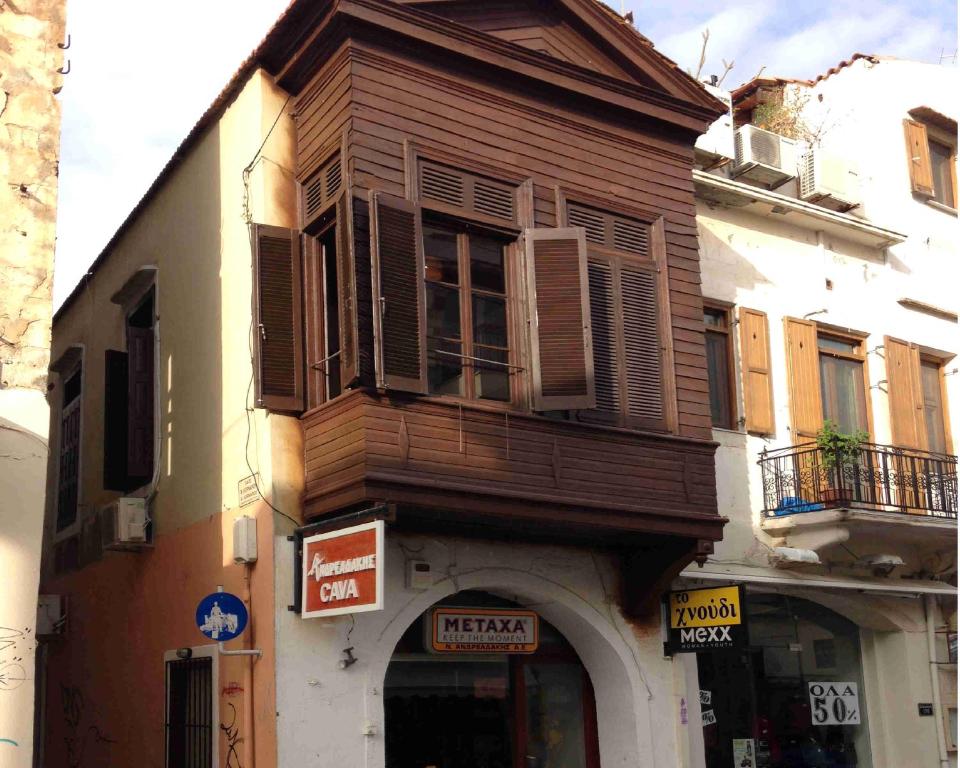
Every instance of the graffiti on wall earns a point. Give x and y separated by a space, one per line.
12 673
231 730
78 737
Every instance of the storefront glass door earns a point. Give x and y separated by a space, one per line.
794 699
499 710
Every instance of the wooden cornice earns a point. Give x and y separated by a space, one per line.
387 21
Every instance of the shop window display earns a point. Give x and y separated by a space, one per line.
793 698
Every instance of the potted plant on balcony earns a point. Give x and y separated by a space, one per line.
839 451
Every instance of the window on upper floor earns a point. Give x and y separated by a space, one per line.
68 475
719 344
916 396
827 379
129 397
932 156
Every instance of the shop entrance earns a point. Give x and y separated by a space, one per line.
756 703
488 710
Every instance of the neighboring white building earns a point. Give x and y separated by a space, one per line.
842 305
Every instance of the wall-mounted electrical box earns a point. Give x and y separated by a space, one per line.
419 574
51 616
245 540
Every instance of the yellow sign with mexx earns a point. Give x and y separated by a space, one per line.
715 607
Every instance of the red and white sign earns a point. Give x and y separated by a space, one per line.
343 571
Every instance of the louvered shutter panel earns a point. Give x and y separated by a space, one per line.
918 157
347 291
907 425
115 421
140 402
560 329
803 379
467 191
755 365
398 294
642 349
279 330
603 319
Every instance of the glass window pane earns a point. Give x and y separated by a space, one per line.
838 345
714 318
443 312
940 160
933 407
440 253
718 375
554 704
486 264
444 367
489 321
492 382
841 388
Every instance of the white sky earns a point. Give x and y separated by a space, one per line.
143 73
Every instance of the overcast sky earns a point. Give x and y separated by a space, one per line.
142 73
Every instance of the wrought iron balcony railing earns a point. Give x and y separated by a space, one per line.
803 478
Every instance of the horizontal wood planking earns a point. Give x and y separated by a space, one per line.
517 458
580 152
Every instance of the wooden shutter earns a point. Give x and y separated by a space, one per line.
399 301
803 379
560 334
905 394
755 366
278 318
606 346
140 402
115 421
642 348
918 157
347 291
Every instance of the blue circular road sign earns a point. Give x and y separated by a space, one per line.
221 616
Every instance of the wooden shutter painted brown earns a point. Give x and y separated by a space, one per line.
755 365
347 291
918 157
606 345
642 348
115 421
140 402
278 280
560 331
803 379
907 425
399 301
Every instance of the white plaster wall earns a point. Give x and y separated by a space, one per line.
322 709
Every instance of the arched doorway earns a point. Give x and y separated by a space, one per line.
482 706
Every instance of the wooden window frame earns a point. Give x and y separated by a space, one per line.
316 295
511 253
657 261
197 652
726 308
857 339
72 528
937 135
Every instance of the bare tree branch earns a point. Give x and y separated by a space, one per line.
726 70
760 72
703 53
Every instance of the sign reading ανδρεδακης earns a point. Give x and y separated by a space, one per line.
705 619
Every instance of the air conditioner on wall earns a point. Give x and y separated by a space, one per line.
764 157
123 524
828 180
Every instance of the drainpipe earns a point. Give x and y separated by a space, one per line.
930 607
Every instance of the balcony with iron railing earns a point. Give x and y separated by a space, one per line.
883 499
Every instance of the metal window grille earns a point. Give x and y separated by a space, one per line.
189 725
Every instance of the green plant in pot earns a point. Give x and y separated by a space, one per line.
839 451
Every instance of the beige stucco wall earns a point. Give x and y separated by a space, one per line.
29 153
194 231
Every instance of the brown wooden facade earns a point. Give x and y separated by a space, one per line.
556 129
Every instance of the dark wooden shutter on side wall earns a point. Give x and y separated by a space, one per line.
140 406
115 421
642 349
399 302
279 332
560 332
347 276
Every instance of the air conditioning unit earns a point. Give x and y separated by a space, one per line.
763 157
123 524
828 180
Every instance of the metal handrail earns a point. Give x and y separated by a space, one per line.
806 478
